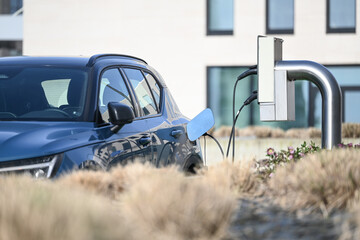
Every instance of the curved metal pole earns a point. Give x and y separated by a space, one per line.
330 93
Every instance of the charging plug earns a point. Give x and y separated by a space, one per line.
252 97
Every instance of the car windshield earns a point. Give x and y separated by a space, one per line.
42 93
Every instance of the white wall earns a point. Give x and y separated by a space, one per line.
171 36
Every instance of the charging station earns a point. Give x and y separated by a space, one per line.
276 92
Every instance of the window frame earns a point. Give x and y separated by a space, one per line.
277 31
337 30
210 32
141 116
156 80
134 102
345 89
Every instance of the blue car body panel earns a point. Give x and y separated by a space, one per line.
160 139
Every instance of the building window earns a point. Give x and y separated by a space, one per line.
341 16
10 6
220 17
220 84
348 77
10 48
280 16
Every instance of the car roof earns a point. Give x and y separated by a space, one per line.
44 61
79 62
70 61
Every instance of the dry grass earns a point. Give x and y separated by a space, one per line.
35 210
98 182
351 130
314 132
262 132
303 133
327 180
171 206
163 203
268 132
224 131
252 131
239 177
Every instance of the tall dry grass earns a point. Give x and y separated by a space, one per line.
303 133
268 132
36 210
327 180
163 203
239 177
168 205
351 130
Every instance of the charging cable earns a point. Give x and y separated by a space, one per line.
249 100
251 71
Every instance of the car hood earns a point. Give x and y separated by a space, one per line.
20 140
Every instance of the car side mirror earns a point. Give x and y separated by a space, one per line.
119 115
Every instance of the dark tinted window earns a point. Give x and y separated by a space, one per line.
42 93
142 91
112 89
154 87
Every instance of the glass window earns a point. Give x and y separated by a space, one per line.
42 93
10 6
10 48
348 78
341 16
112 89
154 87
220 17
221 81
280 16
142 91
349 81
351 109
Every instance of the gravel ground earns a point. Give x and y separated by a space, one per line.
261 218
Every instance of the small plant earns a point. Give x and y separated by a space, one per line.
266 167
349 145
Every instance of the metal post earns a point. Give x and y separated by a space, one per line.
330 93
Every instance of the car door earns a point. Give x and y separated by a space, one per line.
132 141
167 132
148 105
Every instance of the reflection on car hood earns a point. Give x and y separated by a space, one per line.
19 140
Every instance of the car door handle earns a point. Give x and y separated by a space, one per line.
144 140
176 133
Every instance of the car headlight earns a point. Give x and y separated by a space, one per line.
39 167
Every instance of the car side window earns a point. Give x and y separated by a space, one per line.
112 89
142 91
154 87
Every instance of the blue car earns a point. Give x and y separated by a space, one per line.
58 114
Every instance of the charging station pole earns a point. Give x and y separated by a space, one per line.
277 94
330 93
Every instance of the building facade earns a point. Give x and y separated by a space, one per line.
201 46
